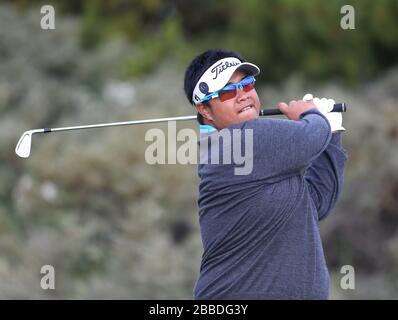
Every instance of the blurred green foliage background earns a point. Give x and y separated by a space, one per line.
301 35
114 226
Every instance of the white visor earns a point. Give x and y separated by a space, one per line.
218 75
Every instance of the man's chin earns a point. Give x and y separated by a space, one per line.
250 114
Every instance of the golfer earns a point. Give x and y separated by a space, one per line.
260 231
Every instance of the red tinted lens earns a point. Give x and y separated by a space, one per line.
248 87
226 95
229 94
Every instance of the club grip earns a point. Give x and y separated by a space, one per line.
338 107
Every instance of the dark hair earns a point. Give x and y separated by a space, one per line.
199 65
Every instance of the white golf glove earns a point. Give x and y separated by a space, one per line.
325 106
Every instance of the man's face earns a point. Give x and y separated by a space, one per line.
244 106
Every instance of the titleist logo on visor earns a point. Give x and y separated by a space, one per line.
222 66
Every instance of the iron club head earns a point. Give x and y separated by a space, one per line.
25 142
23 146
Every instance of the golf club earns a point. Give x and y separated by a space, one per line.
25 142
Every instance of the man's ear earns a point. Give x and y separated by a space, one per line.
204 110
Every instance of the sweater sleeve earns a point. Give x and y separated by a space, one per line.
325 176
285 147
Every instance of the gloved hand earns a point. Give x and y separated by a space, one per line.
325 106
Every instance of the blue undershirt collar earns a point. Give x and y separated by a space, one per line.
205 128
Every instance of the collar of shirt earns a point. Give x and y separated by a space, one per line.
205 128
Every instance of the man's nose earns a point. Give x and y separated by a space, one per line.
242 94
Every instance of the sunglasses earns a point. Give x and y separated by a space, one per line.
230 91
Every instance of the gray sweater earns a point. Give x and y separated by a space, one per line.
260 231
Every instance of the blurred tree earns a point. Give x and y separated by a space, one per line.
283 37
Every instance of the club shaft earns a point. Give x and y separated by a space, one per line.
125 123
24 144
338 107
